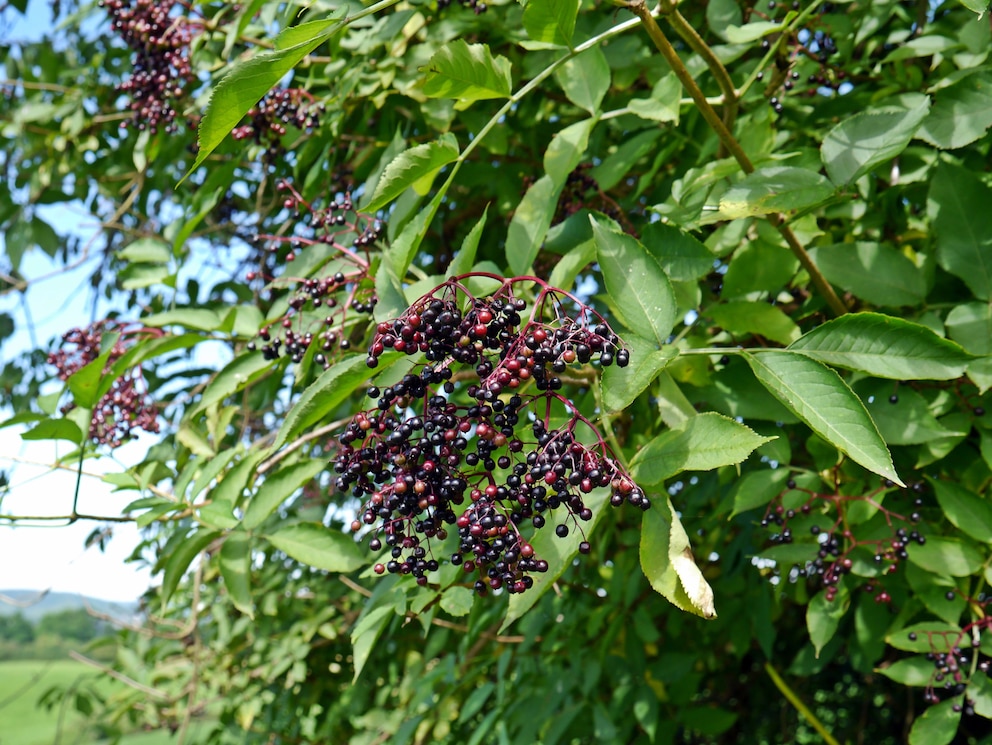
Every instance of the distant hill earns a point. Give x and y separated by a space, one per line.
33 604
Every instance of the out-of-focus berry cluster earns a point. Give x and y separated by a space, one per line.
126 406
477 6
161 69
956 653
333 251
846 529
477 438
269 119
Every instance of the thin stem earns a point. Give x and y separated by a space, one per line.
727 139
700 47
130 682
798 705
819 281
300 442
640 9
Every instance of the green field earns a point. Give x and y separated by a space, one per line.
24 722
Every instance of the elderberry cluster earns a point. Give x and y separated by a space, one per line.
955 654
477 6
161 69
838 544
488 464
126 406
269 119
489 338
581 191
335 242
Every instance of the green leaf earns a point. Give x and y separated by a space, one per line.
823 616
929 636
415 167
146 349
966 511
758 488
970 325
465 258
976 6
181 557
572 263
234 480
668 563
938 724
618 164
913 671
139 276
961 113
775 189
276 488
908 421
873 272
530 224
818 396
759 266
665 103
251 79
980 692
559 553
958 206
750 31
957 557
218 514
931 589
722 14
385 604
241 372
55 429
551 21
335 385
457 601
84 384
235 568
621 385
566 149
204 319
641 292
683 258
704 442
150 250
319 546
467 72
585 79
742 318
980 373
884 347
861 142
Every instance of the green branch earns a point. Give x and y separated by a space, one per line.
798 705
684 29
640 9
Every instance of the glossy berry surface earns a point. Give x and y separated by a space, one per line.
476 439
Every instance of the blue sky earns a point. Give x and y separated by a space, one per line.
54 557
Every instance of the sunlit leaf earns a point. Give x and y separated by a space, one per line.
468 72
821 399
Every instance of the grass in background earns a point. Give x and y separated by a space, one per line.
23 721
